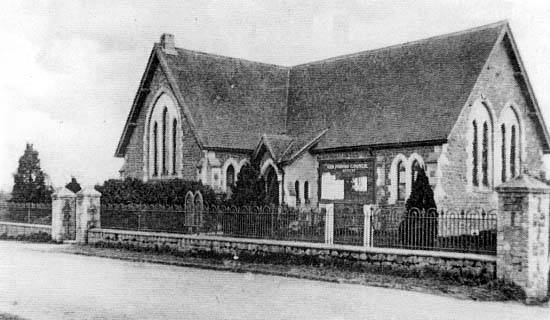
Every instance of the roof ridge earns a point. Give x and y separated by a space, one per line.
215 55
404 44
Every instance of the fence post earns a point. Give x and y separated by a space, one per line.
88 211
329 222
61 198
367 213
522 235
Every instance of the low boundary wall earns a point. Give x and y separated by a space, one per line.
463 265
14 229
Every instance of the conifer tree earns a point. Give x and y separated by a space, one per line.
29 180
250 188
422 195
419 227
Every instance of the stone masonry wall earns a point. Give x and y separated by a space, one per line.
454 264
499 86
14 229
134 158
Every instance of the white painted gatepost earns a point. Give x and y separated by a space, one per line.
74 214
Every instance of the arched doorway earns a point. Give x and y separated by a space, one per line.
271 186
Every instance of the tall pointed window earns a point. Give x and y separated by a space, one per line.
401 180
229 177
174 144
513 172
164 114
485 155
503 153
306 192
297 188
475 160
155 149
415 167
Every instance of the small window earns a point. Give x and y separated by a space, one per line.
401 181
297 189
306 192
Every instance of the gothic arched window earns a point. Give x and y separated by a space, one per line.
164 115
475 160
401 180
297 189
513 159
485 155
415 167
503 153
155 149
174 144
306 192
229 177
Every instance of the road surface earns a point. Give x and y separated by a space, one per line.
38 281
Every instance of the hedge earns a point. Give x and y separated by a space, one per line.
164 192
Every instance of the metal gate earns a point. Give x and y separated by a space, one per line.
69 219
349 222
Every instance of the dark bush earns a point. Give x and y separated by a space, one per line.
164 192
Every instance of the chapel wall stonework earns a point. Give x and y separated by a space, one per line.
134 159
498 87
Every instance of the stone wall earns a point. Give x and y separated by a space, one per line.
135 153
470 266
498 87
15 229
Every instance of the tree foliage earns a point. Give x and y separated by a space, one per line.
74 186
250 187
419 226
164 192
422 195
29 182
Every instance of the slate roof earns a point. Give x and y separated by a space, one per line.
406 93
232 101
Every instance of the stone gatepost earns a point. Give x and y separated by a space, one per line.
522 235
88 209
63 210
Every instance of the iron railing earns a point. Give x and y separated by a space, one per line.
26 212
472 231
247 222
277 223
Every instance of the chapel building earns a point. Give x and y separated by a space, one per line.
351 129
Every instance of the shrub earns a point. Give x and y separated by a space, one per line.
164 192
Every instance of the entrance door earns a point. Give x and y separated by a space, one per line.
69 220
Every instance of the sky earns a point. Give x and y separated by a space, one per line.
69 70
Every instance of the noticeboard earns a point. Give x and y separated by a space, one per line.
347 180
